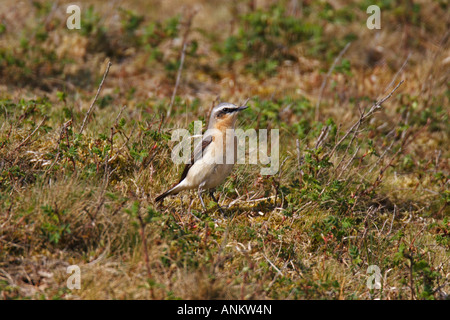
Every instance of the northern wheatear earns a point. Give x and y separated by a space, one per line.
210 165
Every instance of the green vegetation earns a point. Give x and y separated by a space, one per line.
358 185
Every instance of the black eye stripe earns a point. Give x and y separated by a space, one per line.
225 111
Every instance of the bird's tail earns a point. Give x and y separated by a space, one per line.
169 192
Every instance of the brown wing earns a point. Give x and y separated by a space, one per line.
197 151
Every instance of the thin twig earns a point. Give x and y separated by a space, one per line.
31 134
273 266
322 137
324 82
218 260
180 68
399 71
119 114
299 160
349 161
177 83
392 221
379 103
364 116
144 248
88 114
381 157
245 102
58 147
405 142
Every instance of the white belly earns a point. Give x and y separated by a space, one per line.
207 175
212 169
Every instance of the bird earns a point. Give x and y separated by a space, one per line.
209 166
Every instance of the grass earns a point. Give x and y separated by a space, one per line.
358 186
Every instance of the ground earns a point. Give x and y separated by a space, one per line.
357 210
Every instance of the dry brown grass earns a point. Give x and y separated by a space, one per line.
380 198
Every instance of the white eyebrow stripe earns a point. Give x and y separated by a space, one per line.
227 106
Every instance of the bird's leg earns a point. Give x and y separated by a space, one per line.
211 193
201 199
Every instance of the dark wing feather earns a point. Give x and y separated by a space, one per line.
199 149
